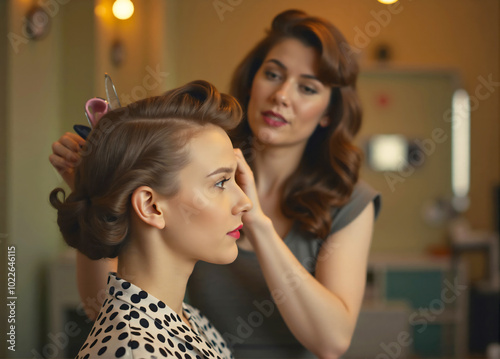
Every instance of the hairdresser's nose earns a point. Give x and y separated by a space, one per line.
282 94
243 203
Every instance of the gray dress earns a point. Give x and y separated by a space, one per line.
235 297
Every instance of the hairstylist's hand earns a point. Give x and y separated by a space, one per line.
246 180
65 156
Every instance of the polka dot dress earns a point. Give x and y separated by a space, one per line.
134 324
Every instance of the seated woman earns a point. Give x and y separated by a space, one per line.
156 187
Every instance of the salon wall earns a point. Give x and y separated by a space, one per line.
33 112
461 36
144 67
3 165
77 61
48 80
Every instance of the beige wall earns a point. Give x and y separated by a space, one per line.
77 61
448 34
47 82
33 117
3 165
144 69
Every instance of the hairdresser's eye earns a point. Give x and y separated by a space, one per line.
271 75
221 183
308 90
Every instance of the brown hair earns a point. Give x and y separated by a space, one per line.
143 144
330 164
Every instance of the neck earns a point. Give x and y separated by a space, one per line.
274 165
147 262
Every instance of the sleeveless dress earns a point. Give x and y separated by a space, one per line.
235 297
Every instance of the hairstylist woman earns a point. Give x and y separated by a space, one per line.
296 288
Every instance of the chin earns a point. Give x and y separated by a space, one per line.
267 136
228 257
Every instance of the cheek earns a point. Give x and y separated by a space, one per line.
252 104
258 94
312 113
210 209
193 211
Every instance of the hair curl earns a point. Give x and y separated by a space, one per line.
143 144
329 167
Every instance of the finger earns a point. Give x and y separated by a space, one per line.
238 153
77 138
241 159
65 152
60 164
72 141
62 167
241 167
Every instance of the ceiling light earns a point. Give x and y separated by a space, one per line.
123 9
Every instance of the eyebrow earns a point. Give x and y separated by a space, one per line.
221 170
280 64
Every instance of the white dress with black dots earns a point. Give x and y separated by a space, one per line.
134 324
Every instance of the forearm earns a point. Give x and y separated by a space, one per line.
92 280
317 317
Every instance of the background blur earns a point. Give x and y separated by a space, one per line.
413 57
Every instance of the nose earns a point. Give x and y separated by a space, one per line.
282 94
243 204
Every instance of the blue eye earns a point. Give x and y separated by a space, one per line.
221 183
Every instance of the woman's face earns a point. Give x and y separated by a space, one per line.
287 101
209 204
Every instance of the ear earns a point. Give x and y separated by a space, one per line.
148 207
325 121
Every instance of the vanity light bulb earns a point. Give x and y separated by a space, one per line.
123 9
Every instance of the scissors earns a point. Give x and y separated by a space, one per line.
96 107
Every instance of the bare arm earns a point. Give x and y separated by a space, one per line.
320 311
91 275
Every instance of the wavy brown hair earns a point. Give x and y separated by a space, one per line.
329 167
143 144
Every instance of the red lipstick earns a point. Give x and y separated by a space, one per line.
235 233
273 119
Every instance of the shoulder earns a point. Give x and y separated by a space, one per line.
361 196
122 331
110 334
216 340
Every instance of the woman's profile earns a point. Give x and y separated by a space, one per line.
157 190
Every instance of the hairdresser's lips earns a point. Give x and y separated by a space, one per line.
274 119
235 233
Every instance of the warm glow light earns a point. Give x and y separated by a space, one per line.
388 152
387 2
460 144
100 10
123 9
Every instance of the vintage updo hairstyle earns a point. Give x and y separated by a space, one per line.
330 165
142 144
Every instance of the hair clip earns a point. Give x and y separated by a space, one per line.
96 108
